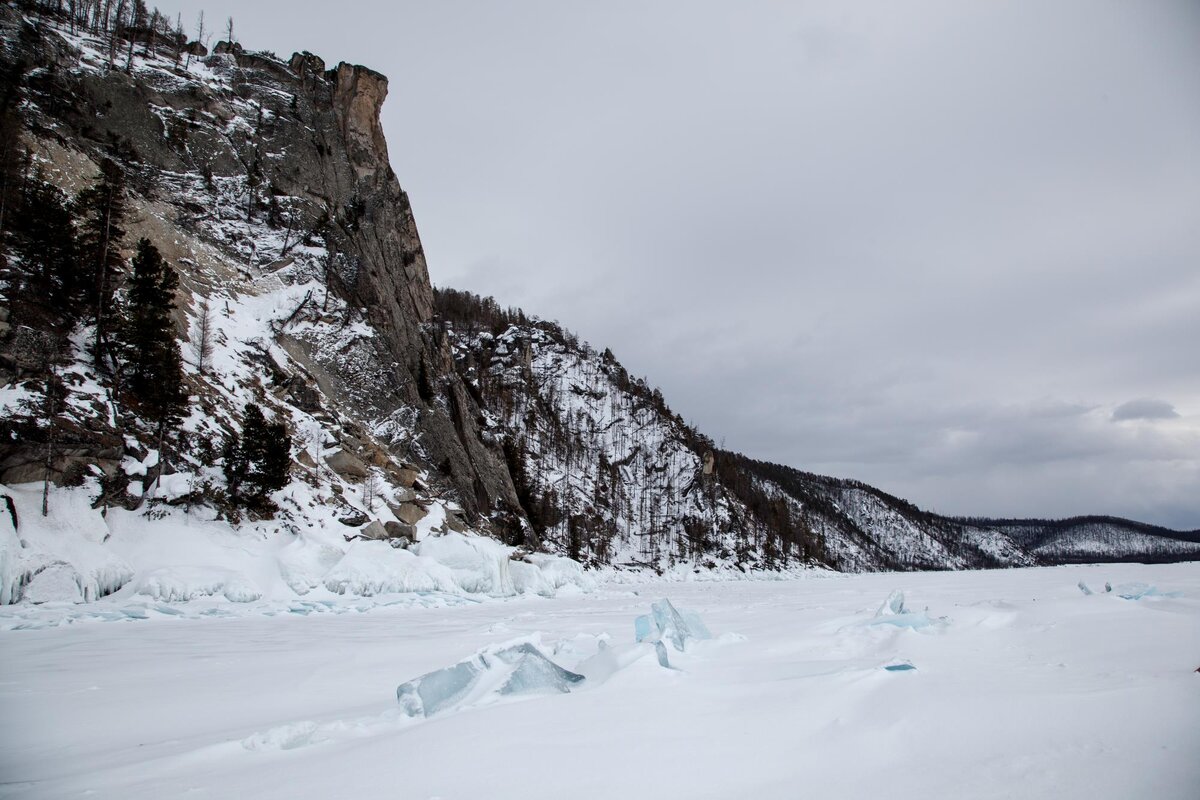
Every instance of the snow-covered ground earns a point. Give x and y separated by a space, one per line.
1022 686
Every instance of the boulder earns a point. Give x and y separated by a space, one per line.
403 495
411 513
374 530
400 530
406 477
346 464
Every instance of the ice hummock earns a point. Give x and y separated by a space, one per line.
501 671
1138 591
667 623
894 612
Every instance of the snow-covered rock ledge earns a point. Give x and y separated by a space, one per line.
78 564
169 554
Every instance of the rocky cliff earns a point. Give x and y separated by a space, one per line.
266 184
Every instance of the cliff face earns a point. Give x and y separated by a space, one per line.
248 166
267 185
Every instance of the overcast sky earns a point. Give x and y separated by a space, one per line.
948 248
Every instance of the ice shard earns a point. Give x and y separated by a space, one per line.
667 623
893 605
508 670
660 650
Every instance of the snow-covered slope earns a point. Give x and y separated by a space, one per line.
607 472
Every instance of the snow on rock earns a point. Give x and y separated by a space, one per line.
371 568
55 583
479 565
176 584
78 554
305 561
67 544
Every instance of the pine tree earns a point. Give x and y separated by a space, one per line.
150 349
268 452
234 466
257 463
44 241
102 210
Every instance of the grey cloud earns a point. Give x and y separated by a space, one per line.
1144 409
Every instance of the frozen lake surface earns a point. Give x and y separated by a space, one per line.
1002 684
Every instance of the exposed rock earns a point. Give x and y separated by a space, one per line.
346 464
405 477
404 495
30 472
358 96
305 64
196 49
411 513
374 530
355 519
306 396
400 530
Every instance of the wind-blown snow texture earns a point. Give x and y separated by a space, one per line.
1026 688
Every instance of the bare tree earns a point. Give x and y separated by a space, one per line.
118 28
229 30
46 348
199 39
370 490
202 344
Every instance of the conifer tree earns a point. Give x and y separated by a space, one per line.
102 210
234 467
150 348
257 463
43 239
